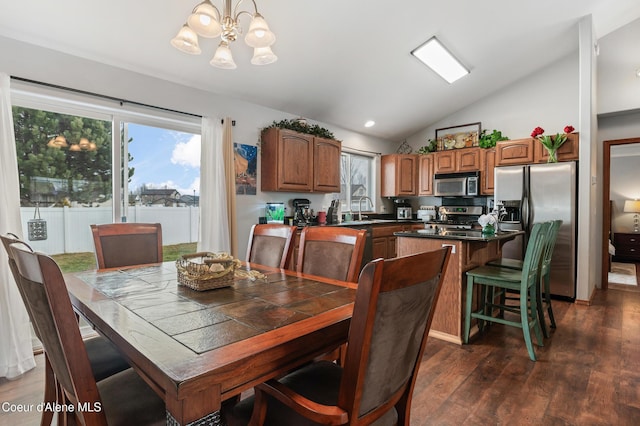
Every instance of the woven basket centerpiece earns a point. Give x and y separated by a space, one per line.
206 271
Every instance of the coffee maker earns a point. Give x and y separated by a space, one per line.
402 209
302 213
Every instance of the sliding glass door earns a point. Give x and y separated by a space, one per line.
80 165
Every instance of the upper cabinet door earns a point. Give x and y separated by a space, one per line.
487 173
326 171
468 160
444 162
286 161
425 174
519 151
398 175
295 168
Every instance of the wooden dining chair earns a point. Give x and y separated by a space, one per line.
271 244
544 287
121 399
494 280
104 358
392 314
331 252
127 244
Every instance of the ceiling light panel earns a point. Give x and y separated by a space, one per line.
434 55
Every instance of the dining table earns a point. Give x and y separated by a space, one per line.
197 349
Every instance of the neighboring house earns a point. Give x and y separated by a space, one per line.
166 197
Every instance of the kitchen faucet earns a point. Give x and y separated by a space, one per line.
360 206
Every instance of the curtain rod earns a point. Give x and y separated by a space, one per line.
111 98
362 150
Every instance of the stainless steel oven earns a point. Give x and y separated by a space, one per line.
456 184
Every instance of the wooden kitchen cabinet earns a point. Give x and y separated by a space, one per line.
384 242
326 166
487 175
444 162
425 174
457 160
518 151
399 175
569 151
297 162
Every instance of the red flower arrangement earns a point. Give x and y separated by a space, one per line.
552 143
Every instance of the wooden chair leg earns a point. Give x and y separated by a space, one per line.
50 392
535 321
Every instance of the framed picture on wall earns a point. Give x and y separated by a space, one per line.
456 137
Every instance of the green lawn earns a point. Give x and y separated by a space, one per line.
75 262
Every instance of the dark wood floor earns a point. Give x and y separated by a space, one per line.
588 373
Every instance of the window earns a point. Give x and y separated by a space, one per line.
82 160
357 181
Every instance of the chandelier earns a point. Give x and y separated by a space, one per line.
207 21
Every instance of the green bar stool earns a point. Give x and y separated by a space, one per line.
544 289
492 278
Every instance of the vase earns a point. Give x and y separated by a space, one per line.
553 155
488 229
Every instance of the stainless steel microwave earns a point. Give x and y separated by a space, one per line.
456 184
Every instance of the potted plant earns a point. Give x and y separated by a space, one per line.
431 146
489 140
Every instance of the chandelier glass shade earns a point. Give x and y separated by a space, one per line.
60 141
207 21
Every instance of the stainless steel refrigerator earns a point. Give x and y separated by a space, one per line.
537 193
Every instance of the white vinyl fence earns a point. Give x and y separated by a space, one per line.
68 228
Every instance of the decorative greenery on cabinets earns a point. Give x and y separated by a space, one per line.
300 125
489 140
431 146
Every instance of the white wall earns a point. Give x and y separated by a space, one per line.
618 85
28 61
548 98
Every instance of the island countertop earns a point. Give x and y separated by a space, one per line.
459 234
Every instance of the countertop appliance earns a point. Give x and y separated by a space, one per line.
402 208
426 213
302 213
456 184
458 217
537 193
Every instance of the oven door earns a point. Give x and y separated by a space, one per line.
450 186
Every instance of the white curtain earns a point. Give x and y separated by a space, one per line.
16 353
214 229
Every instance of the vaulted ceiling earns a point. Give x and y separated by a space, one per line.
340 62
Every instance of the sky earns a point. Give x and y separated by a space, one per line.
164 158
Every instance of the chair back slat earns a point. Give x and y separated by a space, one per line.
535 247
127 244
331 252
271 245
394 307
44 289
550 246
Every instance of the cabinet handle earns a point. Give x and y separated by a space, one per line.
633 240
632 249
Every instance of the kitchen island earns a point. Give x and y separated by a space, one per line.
469 249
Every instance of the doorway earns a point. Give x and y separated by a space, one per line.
607 225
